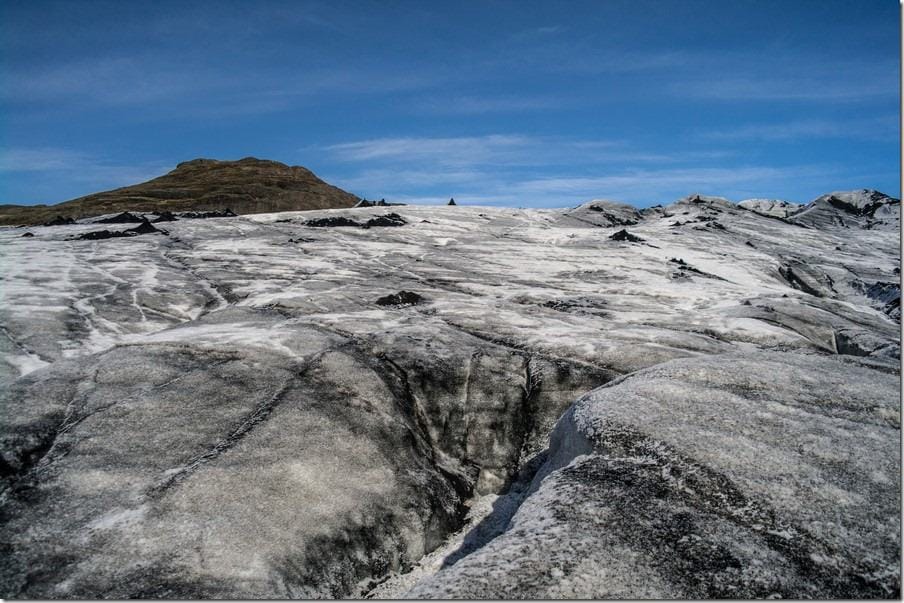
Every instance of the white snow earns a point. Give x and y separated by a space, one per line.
65 298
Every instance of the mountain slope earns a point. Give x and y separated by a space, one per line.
246 186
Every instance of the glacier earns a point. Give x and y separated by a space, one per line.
457 402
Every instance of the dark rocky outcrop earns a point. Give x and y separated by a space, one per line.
624 235
57 221
685 270
123 218
144 228
332 221
386 220
166 216
202 215
402 298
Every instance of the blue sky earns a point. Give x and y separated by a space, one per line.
507 103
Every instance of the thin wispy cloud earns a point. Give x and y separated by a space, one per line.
497 149
883 128
531 34
525 170
645 181
475 105
109 81
507 150
417 99
639 187
380 182
828 88
454 150
146 82
39 160
567 57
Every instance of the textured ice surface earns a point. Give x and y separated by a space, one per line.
226 410
770 207
766 474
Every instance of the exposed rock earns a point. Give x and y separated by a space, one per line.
202 185
144 228
97 235
332 221
386 220
123 218
624 235
165 216
451 202
225 213
684 268
402 298
58 221
28 234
